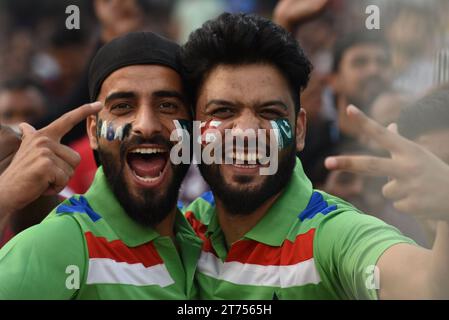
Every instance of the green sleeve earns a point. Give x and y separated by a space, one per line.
347 248
34 263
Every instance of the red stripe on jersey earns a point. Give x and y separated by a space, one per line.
253 252
200 229
116 250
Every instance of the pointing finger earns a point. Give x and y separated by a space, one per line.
58 128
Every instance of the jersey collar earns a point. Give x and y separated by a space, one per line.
102 200
274 227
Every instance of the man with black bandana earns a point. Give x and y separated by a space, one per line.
124 238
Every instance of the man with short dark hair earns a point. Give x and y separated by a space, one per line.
360 69
275 236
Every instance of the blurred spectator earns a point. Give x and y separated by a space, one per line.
191 14
22 99
360 73
63 62
360 69
411 36
118 17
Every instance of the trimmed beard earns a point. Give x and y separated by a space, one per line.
149 208
244 202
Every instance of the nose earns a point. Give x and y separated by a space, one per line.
246 121
245 127
146 123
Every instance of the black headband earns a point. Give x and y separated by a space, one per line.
132 49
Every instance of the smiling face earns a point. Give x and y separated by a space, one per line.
132 137
249 97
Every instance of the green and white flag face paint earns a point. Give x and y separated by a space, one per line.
283 132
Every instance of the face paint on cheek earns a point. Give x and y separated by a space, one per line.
103 130
110 132
126 130
207 134
99 126
283 132
106 130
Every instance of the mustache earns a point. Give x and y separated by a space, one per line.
134 141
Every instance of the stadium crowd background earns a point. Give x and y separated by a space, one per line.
44 74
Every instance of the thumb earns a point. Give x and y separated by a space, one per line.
26 129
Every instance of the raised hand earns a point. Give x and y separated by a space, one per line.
419 181
9 144
41 166
289 13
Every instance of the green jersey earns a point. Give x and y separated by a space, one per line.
309 245
88 248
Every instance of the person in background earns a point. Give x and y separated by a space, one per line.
412 36
22 99
360 73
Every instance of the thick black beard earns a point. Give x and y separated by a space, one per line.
148 209
244 202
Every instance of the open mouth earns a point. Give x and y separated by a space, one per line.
148 164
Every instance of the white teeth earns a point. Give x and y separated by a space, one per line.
244 157
148 150
246 166
148 179
252 157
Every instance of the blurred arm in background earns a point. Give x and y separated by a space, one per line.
290 13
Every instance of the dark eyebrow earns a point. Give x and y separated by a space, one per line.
219 102
273 103
169 94
120 95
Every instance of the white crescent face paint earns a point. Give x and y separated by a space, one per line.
283 132
119 133
104 127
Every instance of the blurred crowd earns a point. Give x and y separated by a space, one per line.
384 72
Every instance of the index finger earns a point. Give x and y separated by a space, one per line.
374 131
367 165
61 126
